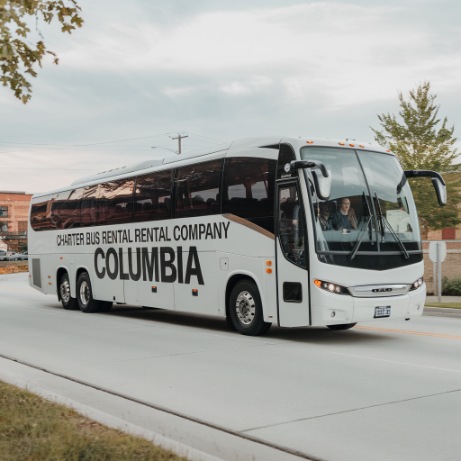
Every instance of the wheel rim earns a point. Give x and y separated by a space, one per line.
65 291
84 293
245 307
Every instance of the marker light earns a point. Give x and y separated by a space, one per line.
331 287
417 284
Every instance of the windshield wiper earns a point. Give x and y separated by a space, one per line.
367 226
359 241
383 221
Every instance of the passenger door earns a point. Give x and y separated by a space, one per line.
291 257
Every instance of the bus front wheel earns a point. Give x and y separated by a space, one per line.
245 309
67 301
85 299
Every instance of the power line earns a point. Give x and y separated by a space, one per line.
83 145
179 138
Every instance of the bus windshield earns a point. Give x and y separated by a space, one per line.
370 219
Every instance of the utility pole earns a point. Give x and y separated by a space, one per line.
179 137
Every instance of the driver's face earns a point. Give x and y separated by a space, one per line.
345 205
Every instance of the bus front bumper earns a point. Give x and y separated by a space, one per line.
343 309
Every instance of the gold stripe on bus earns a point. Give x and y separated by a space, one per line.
249 224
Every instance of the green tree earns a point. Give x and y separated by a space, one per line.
19 56
422 141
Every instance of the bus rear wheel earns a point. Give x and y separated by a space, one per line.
67 301
342 326
245 309
85 299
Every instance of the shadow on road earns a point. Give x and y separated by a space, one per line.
217 324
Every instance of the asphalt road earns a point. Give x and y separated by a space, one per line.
389 390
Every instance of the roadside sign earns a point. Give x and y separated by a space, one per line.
437 251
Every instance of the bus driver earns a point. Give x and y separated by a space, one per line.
345 217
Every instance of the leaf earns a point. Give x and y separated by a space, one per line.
19 57
422 141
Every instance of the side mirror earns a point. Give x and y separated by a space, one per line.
440 190
322 179
437 181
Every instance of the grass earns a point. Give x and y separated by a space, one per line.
34 429
446 305
14 268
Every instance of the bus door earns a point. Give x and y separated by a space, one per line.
291 257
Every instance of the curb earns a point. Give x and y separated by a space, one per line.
441 312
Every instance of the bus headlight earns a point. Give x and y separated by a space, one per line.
331 287
417 284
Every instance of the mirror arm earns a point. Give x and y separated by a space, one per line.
424 173
296 164
437 182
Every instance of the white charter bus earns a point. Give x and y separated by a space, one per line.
292 232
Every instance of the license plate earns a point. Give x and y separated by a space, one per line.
382 311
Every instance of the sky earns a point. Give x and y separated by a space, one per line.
141 72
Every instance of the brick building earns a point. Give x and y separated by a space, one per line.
14 212
451 267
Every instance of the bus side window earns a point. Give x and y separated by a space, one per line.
153 196
196 189
248 190
40 215
113 198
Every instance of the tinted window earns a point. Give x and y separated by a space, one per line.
40 214
65 210
152 198
197 189
88 213
114 204
248 190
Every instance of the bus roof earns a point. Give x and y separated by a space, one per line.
220 151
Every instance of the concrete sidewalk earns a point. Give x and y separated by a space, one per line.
444 299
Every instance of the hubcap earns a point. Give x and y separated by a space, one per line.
84 293
245 307
65 291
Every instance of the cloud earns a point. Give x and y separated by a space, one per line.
225 70
344 51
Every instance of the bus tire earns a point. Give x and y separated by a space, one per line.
67 301
85 299
342 326
245 309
